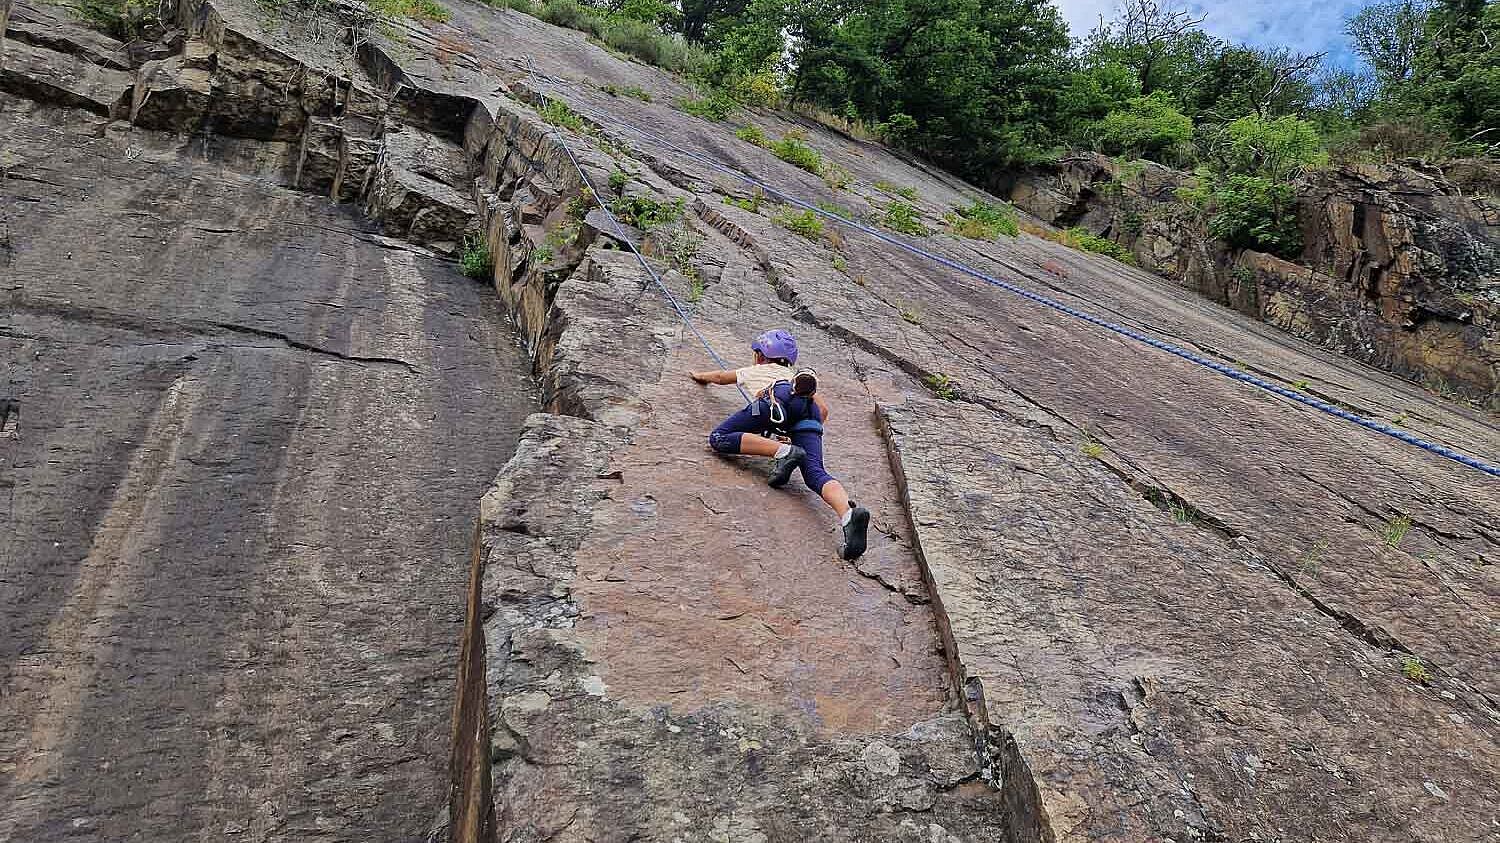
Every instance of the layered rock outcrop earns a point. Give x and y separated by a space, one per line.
1400 264
1111 595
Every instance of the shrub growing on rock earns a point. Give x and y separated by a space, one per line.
903 217
806 223
474 260
1085 240
792 150
983 221
1253 212
1146 126
714 107
646 213
751 134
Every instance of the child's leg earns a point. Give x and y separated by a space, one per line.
739 434
815 476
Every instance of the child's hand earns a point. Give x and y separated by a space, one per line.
700 377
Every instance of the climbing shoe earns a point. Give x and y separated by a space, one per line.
782 467
855 526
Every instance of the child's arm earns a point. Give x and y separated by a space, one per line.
723 377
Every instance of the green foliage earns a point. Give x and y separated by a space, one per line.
792 149
751 204
632 91
557 113
840 264
1091 449
1415 671
1084 240
760 88
474 259
1395 530
806 223
715 107
899 129
122 20
835 208
751 134
634 27
1253 212
416 9
580 205
542 254
1149 126
983 221
907 193
645 212
1092 93
835 176
1273 148
942 386
618 179
903 217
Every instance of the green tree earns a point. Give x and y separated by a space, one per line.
1455 79
977 81
1163 45
1387 36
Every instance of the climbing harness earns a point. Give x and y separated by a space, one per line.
1130 333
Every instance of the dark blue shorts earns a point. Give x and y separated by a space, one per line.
802 423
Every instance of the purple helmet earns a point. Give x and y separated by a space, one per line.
776 344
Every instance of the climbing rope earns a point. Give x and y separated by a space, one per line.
1227 371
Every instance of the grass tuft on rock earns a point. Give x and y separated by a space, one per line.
474 259
806 223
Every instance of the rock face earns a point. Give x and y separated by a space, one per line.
244 433
1400 265
1110 594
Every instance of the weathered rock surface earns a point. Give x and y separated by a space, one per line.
1400 266
244 433
1110 595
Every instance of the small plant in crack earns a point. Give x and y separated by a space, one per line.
806 223
646 213
1413 669
1092 448
474 260
542 254
751 204
1399 420
911 316
618 179
1311 561
557 113
580 205
1395 530
695 289
1301 386
840 264
942 386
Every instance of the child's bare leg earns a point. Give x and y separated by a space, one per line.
834 495
758 446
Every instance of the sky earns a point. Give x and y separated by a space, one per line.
1307 27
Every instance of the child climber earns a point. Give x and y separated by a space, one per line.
785 401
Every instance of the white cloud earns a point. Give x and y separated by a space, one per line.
1307 27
